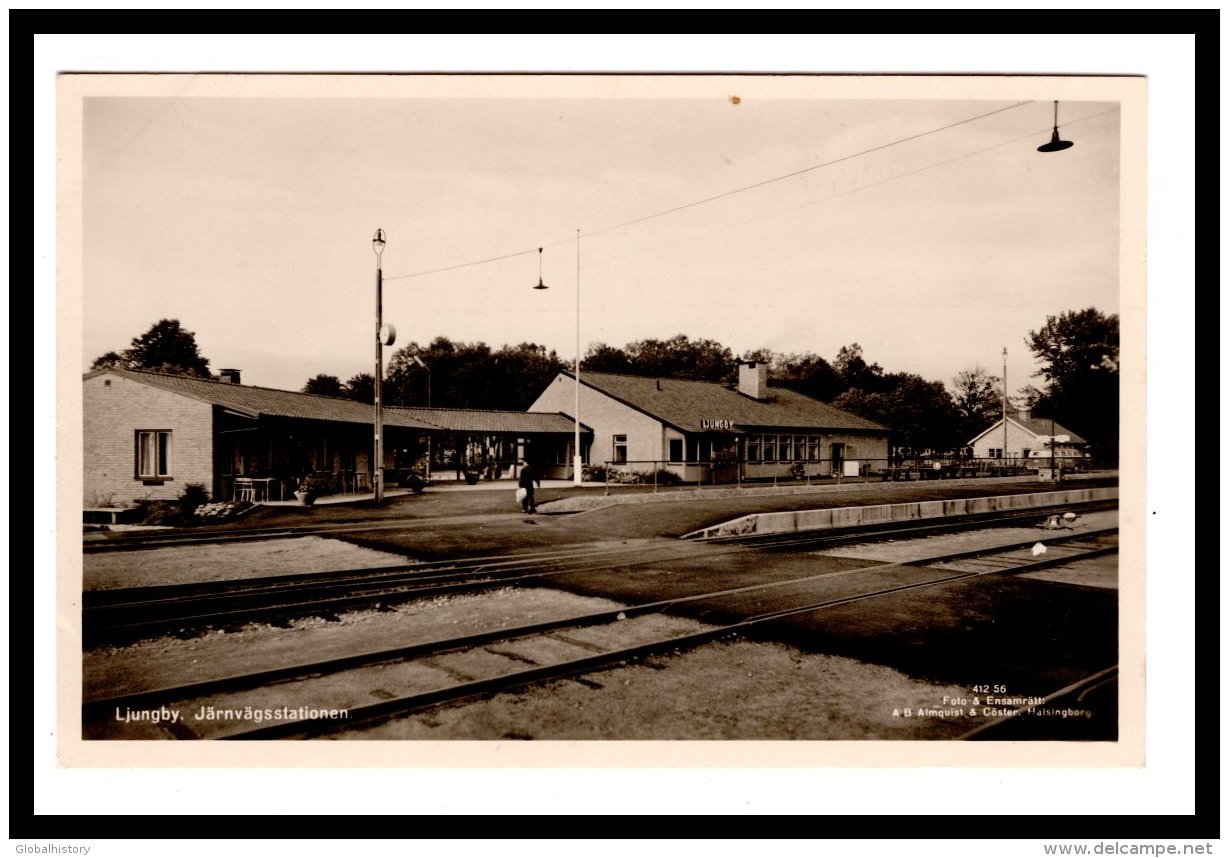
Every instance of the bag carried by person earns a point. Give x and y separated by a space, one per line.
521 494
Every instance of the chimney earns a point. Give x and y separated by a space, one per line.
753 379
230 376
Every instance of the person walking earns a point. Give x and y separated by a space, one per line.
529 476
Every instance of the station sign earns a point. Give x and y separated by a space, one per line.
716 424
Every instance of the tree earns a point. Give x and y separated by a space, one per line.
919 413
978 398
679 357
603 358
166 347
520 374
324 385
361 388
108 359
406 382
854 372
807 373
1078 351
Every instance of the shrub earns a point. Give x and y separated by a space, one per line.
663 477
163 512
623 476
593 473
192 496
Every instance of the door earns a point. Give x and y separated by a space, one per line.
838 458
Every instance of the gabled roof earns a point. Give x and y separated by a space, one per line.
1034 426
685 404
492 422
265 401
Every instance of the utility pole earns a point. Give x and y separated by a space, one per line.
1004 454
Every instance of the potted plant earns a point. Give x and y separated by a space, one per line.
475 462
415 478
308 490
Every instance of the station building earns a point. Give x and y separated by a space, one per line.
147 435
707 432
1029 439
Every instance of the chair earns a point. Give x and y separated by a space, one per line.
245 490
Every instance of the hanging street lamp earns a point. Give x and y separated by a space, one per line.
1055 144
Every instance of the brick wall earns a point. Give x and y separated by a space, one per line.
114 409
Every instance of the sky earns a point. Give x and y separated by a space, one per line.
896 223
301 330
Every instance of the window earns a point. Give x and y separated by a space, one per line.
813 448
996 453
753 448
770 448
620 449
676 449
785 449
153 454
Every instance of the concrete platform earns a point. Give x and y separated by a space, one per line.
446 486
856 516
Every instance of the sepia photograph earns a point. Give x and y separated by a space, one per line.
724 425
603 420
603 408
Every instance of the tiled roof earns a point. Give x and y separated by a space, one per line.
1042 426
265 401
268 402
684 404
1035 425
493 422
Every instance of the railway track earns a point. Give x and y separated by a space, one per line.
216 535
944 569
131 613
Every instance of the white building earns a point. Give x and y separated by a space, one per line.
1029 438
705 431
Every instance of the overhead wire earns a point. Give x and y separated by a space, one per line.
1027 136
715 197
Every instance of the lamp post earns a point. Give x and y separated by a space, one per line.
577 466
377 470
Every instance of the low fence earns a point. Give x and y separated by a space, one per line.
661 474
